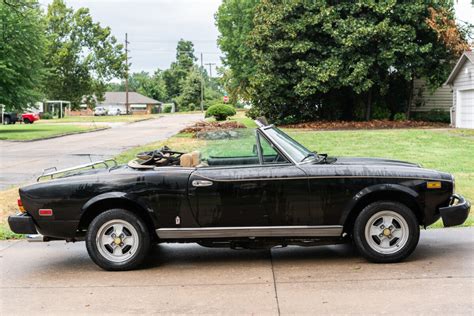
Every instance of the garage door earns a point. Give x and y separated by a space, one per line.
466 109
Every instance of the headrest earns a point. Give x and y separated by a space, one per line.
186 160
196 158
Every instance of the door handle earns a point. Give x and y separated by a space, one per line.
201 183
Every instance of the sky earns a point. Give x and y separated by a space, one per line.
155 26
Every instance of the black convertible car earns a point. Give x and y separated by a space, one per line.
276 192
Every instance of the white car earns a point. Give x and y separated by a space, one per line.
100 111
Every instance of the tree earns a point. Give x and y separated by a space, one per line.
179 69
338 59
22 49
234 19
191 89
82 55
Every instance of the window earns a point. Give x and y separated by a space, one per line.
269 154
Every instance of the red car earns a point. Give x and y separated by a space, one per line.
29 118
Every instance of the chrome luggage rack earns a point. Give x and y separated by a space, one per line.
107 163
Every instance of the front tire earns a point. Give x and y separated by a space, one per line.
118 240
386 232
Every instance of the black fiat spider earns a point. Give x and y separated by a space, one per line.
270 191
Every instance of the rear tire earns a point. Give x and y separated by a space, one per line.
118 240
6 120
386 232
26 121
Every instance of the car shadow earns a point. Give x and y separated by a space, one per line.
194 256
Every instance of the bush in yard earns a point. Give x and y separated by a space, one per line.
46 116
220 111
380 113
432 116
167 109
400 117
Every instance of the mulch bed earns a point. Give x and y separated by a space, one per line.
203 126
375 124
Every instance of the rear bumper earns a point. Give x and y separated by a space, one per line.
455 214
22 224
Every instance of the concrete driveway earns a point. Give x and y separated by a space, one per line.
59 278
21 162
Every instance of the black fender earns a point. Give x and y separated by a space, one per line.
378 188
127 198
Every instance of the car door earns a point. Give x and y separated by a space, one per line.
271 192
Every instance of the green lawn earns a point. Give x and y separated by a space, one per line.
38 131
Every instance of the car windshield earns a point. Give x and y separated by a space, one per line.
297 151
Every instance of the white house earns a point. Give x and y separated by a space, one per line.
461 81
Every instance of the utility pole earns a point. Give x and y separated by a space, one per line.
202 87
210 69
126 74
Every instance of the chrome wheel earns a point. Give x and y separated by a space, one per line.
117 240
386 232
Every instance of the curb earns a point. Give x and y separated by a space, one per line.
55 136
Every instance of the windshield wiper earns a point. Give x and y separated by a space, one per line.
324 158
309 155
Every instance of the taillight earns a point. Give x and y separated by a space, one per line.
20 206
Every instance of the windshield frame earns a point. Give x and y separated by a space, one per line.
284 141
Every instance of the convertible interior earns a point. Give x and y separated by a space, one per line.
167 157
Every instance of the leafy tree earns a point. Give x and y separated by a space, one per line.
152 86
234 19
336 59
179 69
191 89
82 55
22 49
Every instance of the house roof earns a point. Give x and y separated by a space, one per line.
468 55
133 98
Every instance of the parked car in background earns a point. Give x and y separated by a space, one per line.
29 118
10 118
115 112
100 111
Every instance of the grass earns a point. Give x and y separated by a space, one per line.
8 206
39 131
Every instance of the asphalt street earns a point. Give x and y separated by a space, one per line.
22 162
59 278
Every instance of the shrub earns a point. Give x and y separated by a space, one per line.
46 116
380 113
220 111
432 116
191 107
400 117
167 108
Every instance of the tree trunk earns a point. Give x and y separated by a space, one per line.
410 97
368 109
